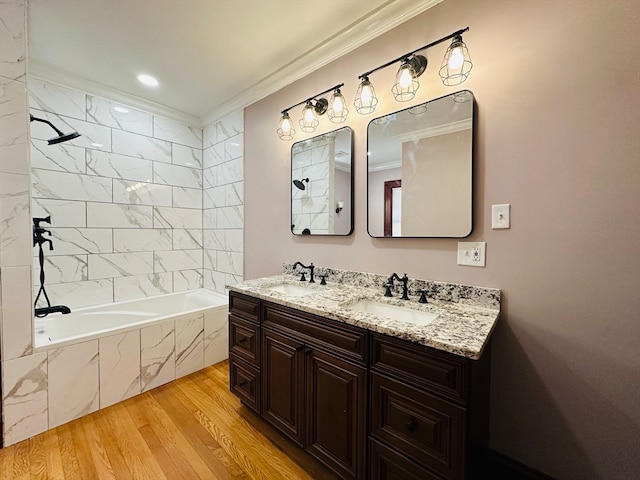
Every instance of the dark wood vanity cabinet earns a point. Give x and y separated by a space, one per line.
364 404
314 386
429 411
244 350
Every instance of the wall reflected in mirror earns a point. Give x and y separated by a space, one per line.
322 184
420 170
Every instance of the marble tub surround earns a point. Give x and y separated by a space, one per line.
55 386
462 326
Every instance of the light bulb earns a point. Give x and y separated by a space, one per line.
338 104
456 59
286 125
405 77
308 114
366 94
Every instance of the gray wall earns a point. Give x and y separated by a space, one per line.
558 138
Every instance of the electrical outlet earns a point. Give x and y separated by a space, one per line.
500 216
472 253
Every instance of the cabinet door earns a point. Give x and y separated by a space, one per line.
244 382
387 464
426 428
283 383
336 402
244 340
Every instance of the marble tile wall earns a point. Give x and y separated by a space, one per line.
125 199
112 212
223 199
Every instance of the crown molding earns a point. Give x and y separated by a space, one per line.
67 80
385 18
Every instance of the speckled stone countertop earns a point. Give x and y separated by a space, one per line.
465 318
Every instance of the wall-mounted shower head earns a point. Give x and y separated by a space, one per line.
299 184
62 137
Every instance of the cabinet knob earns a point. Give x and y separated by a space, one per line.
242 383
242 339
307 350
411 424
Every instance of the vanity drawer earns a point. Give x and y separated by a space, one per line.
244 306
244 340
441 372
429 430
387 464
244 382
344 340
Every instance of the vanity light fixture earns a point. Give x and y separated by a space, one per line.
455 69
366 99
338 111
456 64
313 107
407 84
285 131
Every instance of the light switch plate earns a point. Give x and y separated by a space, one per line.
472 253
500 216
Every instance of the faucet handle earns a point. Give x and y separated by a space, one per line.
423 296
323 278
388 287
302 277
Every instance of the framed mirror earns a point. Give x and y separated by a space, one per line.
420 170
322 184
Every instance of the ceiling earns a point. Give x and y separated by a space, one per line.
210 56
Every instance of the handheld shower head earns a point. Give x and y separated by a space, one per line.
62 137
299 184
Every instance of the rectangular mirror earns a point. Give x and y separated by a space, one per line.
420 170
322 184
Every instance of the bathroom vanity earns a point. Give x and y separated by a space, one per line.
366 395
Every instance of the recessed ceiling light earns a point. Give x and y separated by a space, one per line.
121 110
148 80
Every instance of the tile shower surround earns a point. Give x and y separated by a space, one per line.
138 206
36 386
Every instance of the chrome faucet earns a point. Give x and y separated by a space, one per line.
405 288
310 267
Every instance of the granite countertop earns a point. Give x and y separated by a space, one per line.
461 327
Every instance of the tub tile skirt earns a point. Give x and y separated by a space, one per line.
52 387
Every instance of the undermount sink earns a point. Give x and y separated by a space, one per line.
403 314
291 290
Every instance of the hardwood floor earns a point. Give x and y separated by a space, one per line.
193 428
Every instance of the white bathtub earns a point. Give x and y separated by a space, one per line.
88 323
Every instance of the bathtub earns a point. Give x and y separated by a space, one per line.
88 323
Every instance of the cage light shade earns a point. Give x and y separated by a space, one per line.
309 121
286 131
366 99
456 64
338 111
406 84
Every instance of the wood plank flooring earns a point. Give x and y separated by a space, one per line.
193 428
